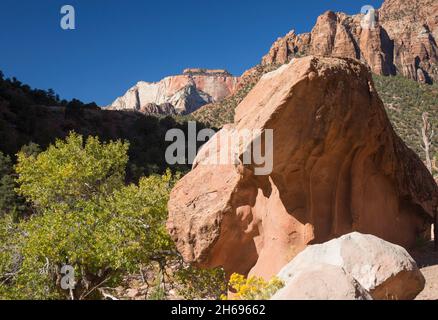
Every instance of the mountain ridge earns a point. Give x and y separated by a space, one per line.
399 38
179 94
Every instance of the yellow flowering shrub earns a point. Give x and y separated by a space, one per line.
253 288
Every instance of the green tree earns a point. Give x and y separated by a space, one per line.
86 218
71 171
9 256
7 193
30 149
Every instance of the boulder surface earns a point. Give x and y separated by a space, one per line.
322 282
383 269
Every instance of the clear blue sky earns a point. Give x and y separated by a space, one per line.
117 43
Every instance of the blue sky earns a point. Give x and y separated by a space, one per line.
117 43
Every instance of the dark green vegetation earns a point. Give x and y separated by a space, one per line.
10 202
405 101
19 94
25 117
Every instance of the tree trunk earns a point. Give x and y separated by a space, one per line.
427 135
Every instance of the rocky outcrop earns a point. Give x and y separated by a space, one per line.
185 93
155 109
402 40
338 167
412 27
211 72
384 270
292 45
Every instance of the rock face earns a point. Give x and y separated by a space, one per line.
321 282
370 264
292 45
155 109
413 26
180 94
402 40
338 167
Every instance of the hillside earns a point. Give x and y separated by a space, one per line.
405 101
31 115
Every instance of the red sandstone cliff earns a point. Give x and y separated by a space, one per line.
403 39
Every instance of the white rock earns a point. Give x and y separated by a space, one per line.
385 270
322 282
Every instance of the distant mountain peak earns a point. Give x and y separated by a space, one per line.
181 94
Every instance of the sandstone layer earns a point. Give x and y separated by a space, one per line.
338 167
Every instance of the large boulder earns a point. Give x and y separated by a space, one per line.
322 282
383 269
338 167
